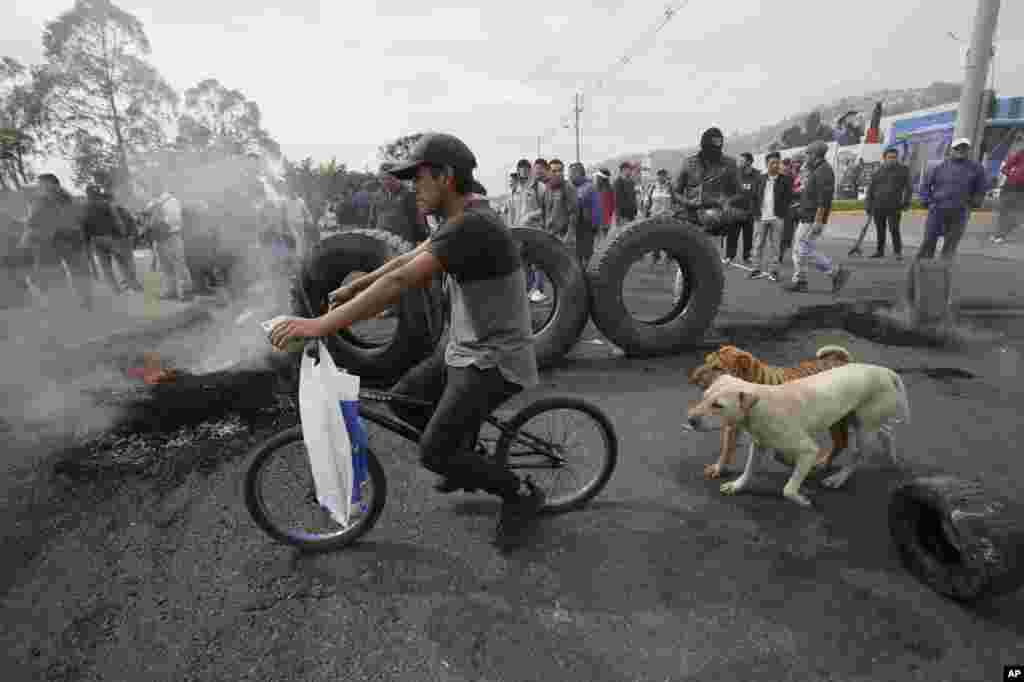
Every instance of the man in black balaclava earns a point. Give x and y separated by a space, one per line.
708 178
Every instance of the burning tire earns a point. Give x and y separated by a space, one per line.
381 350
958 539
695 302
556 325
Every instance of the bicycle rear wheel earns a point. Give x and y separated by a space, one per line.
541 441
281 497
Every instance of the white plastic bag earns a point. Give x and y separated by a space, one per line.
322 390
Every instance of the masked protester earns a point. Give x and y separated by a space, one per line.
709 178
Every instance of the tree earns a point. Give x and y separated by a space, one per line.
218 118
24 119
110 103
400 149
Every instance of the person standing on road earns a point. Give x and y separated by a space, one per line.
55 234
489 356
708 179
661 198
105 230
603 182
815 207
560 206
773 196
950 191
524 203
527 211
749 177
1011 196
625 195
888 195
589 212
393 209
166 223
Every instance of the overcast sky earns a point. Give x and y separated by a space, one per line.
337 79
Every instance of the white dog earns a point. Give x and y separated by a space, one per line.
786 417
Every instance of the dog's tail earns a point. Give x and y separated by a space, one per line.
838 352
901 392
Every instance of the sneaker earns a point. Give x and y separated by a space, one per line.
998 240
898 257
518 515
754 274
798 287
839 279
878 254
537 296
727 261
773 276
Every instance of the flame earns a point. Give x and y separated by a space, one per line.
153 371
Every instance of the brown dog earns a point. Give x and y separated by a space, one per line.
742 365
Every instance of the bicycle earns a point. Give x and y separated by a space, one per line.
515 446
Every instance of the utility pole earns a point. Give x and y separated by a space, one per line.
973 103
577 109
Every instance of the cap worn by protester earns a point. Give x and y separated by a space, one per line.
439 150
960 142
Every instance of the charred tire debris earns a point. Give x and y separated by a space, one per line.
957 538
694 310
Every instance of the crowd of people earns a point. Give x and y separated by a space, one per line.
762 218
198 245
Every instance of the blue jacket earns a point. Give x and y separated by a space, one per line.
954 184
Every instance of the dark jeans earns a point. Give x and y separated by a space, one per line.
462 398
1011 210
732 239
948 223
888 218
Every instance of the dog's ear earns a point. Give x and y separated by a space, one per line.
747 402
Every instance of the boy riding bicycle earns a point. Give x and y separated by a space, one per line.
489 356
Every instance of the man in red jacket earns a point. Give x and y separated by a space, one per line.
1011 196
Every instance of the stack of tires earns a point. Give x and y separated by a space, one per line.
577 295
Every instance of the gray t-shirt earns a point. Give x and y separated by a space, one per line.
490 322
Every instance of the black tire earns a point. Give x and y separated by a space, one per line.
555 335
693 313
308 542
506 455
957 538
418 312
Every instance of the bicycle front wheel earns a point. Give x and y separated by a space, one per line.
567 446
281 497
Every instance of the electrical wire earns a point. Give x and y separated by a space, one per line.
599 83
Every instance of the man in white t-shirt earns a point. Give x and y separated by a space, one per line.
772 199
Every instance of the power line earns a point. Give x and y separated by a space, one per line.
599 83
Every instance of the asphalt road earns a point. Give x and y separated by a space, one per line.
661 578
